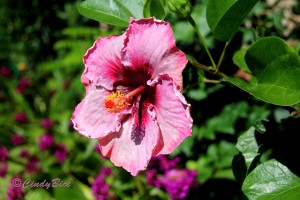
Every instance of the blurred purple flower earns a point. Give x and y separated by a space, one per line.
17 139
60 153
99 187
46 141
97 148
24 154
3 154
52 93
105 171
14 192
23 84
3 169
178 182
5 71
2 99
162 163
21 117
152 179
47 123
32 165
67 84
71 126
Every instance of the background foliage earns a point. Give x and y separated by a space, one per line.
244 143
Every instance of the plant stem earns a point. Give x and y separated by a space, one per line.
222 56
295 113
205 68
211 81
193 23
139 185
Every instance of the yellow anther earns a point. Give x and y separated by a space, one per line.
116 101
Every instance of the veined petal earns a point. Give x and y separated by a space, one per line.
172 112
150 46
103 62
132 147
91 118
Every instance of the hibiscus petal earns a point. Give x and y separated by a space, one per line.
91 118
102 62
150 46
172 112
132 147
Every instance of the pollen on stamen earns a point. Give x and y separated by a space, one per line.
116 101
109 104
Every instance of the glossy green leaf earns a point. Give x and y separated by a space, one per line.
115 12
224 17
276 69
239 59
154 8
272 180
247 145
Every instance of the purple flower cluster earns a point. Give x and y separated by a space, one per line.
2 99
24 154
47 143
3 169
17 139
32 166
176 182
3 154
47 123
60 153
21 117
3 164
163 163
14 192
99 187
5 71
23 84
97 149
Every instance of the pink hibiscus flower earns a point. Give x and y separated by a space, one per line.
133 103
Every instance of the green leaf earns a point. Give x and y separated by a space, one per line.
73 192
37 194
197 94
183 32
224 17
280 114
224 122
272 180
115 12
154 8
247 145
4 182
276 68
239 60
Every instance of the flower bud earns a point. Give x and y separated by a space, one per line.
180 7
